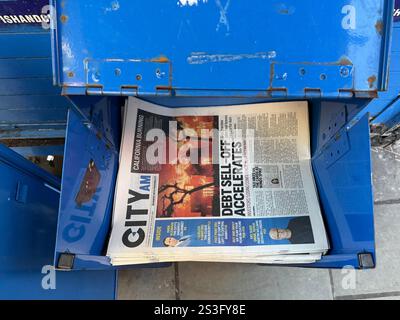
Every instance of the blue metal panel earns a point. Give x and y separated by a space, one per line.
56 103
43 115
30 116
84 224
40 86
103 113
342 169
25 45
29 199
40 131
39 150
323 48
90 159
388 100
30 106
385 111
25 68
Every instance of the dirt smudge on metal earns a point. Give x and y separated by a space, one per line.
371 81
202 58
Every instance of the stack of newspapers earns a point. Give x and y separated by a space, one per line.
218 184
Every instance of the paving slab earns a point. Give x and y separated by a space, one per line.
386 174
245 281
147 284
385 279
386 298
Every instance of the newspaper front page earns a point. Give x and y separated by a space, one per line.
231 183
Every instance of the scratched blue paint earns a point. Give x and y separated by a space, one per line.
238 42
386 109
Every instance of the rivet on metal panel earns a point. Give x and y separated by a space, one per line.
115 6
160 74
64 18
344 72
379 27
96 76
71 74
138 77
336 148
117 72
371 81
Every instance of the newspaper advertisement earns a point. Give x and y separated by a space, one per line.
232 181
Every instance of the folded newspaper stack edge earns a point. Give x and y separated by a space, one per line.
220 184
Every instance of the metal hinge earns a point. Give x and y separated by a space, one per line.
127 77
312 80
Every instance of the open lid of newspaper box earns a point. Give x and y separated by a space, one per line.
199 47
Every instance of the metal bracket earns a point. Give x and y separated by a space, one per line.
337 121
312 79
366 260
126 77
66 261
21 194
337 148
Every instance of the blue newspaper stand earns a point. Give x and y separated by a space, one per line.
334 54
31 110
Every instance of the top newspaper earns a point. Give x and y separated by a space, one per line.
225 180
